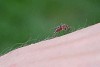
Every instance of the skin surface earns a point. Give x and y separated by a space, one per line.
78 49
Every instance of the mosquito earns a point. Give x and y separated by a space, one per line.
61 28
58 29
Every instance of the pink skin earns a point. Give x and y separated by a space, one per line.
78 49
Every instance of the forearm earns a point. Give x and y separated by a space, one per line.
77 49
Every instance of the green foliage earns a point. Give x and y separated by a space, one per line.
34 20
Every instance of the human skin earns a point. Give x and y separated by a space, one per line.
78 49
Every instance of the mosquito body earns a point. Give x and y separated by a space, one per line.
61 28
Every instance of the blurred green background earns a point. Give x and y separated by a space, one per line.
30 21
